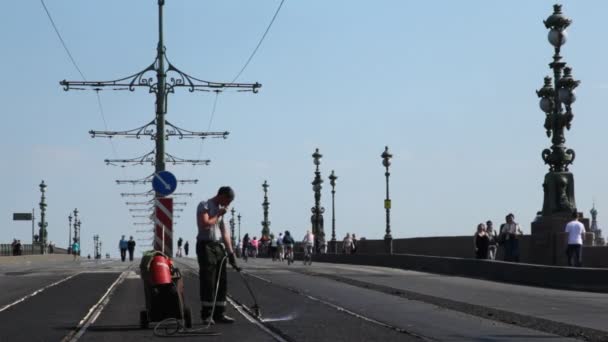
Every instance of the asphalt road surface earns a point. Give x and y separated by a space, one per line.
66 300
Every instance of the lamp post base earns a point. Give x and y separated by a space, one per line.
388 245
548 239
333 246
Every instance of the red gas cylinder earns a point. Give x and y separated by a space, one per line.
160 270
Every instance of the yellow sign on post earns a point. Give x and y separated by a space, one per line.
387 204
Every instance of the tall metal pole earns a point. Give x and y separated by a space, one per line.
161 96
232 236
334 243
33 227
388 238
43 224
239 218
69 232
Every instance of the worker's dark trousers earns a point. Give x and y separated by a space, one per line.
210 258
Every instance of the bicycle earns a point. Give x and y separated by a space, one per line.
289 254
308 254
245 254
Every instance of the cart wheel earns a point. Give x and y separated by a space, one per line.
143 319
187 318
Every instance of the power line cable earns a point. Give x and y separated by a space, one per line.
213 110
276 13
65 47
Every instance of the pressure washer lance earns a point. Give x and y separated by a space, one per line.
255 307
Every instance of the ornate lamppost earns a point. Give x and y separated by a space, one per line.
317 210
77 229
232 236
70 234
265 205
388 238
332 182
43 224
556 98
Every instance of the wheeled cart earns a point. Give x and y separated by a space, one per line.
163 289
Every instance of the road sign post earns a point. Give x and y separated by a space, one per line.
164 183
26 217
163 225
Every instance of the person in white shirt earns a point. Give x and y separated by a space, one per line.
576 232
510 233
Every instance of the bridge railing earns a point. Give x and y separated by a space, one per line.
6 249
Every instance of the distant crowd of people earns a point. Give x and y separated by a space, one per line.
16 247
486 240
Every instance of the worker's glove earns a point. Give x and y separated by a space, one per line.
232 261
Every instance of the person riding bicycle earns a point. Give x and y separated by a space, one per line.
280 251
245 246
309 243
288 241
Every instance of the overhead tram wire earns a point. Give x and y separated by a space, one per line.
274 17
65 47
200 150
276 13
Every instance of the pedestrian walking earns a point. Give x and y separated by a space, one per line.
576 233
347 244
510 233
19 248
481 242
75 249
179 247
130 247
213 248
355 241
186 248
493 246
14 247
123 245
246 246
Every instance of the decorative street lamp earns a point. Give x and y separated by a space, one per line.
43 224
239 219
317 211
334 243
77 229
388 238
70 234
265 205
556 102
233 237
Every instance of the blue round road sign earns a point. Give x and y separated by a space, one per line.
164 183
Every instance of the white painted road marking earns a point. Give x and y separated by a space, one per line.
94 311
37 292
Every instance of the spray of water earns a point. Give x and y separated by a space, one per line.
289 317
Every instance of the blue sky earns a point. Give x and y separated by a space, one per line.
447 85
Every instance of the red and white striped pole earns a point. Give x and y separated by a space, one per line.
163 225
